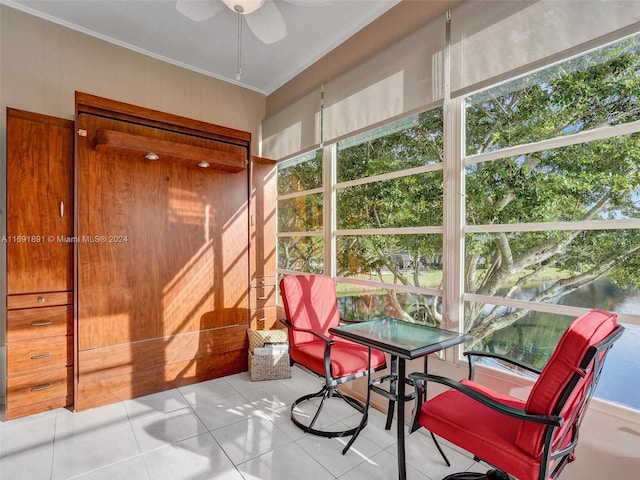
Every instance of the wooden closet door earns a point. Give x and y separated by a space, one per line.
39 203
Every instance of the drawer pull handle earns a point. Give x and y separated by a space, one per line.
41 299
263 319
40 355
41 324
41 387
263 298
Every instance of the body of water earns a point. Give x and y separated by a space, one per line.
620 380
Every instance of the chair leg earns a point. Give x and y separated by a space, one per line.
324 393
393 390
350 400
365 412
392 406
444 457
363 423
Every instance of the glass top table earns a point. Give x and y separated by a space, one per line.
403 341
397 337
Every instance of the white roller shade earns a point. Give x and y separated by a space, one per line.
294 129
492 40
401 79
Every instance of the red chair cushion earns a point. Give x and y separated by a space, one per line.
310 302
585 331
488 434
347 358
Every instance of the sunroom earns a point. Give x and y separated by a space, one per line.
472 166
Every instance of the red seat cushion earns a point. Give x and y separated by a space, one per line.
347 358
486 433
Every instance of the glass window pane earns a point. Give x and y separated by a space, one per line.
398 259
532 336
588 181
412 142
359 303
301 254
521 334
301 173
592 268
412 201
597 89
300 214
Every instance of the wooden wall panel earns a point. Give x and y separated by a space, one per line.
163 245
145 355
115 388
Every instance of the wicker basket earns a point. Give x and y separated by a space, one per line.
268 367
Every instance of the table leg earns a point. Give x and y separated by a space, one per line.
402 468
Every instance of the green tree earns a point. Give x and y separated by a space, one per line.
596 180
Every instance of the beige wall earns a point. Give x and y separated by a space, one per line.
42 64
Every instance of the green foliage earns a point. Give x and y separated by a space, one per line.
597 180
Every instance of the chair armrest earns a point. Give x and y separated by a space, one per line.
321 336
346 320
419 379
503 358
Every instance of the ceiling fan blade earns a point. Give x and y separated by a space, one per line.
199 10
267 23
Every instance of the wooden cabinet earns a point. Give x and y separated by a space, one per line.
39 263
173 239
263 244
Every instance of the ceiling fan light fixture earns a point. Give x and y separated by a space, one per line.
245 7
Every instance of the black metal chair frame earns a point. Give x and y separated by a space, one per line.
553 460
330 390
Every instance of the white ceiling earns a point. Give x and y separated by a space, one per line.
156 28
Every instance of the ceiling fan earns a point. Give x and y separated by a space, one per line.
262 16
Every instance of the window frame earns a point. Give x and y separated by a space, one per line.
454 227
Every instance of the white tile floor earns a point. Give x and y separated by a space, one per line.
228 428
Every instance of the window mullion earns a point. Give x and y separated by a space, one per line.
453 204
329 154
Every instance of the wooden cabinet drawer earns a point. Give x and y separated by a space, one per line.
260 281
31 300
39 387
263 296
33 355
39 322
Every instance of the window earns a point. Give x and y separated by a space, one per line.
389 208
552 186
543 172
300 214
